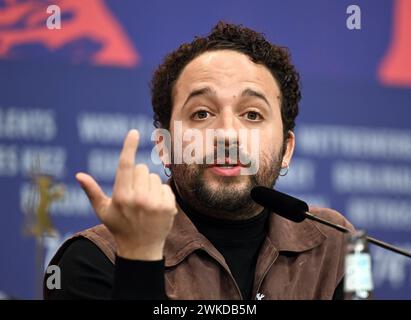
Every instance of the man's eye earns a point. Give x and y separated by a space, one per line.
200 115
253 116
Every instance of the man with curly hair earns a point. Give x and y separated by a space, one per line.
200 235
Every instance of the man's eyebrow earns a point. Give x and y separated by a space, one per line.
253 93
206 91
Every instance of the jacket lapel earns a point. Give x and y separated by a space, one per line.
184 238
284 236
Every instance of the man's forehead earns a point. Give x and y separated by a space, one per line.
225 69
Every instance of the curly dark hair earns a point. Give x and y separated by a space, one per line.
232 37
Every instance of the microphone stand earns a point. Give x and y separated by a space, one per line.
377 242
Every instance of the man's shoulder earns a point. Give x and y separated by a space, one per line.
100 237
93 244
330 215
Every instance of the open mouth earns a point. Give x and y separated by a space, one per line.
227 168
230 164
226 165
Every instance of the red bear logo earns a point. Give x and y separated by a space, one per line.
24 22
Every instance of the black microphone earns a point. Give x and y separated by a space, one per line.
282 204
296 210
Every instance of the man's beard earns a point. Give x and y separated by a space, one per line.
226 201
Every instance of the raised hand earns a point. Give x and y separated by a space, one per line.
141 212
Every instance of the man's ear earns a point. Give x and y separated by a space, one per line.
289 149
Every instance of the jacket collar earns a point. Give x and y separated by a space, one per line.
183 239
287 235
283 235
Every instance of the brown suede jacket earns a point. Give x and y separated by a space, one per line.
296 261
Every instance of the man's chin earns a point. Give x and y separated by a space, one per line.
219 196
227 196
229 184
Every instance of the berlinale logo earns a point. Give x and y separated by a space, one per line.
395 68
87 32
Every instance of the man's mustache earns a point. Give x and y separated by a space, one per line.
232 154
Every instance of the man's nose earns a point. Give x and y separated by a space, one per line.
228 124
227 132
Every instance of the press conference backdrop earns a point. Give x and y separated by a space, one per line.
68 96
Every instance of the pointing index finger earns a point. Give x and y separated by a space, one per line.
125 169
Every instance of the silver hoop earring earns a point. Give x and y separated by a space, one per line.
284 173
168 174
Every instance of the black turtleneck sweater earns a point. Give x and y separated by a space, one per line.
238 241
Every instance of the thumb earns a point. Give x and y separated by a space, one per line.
97 197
